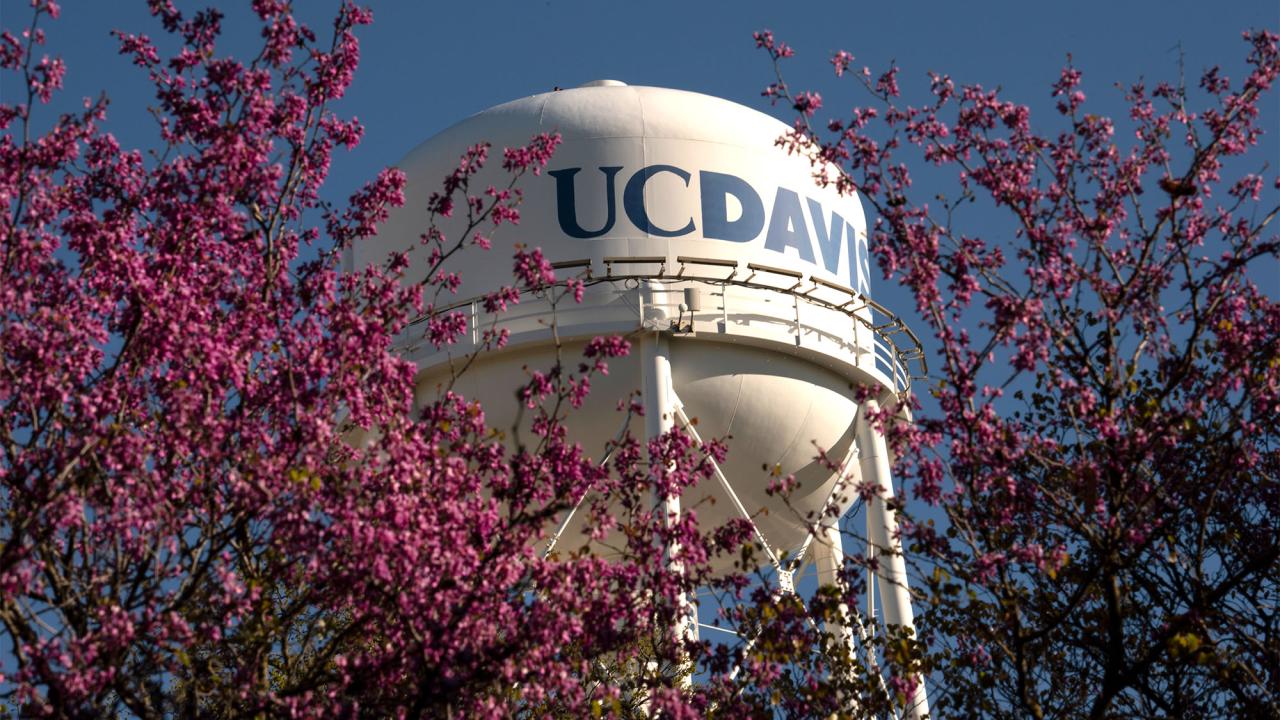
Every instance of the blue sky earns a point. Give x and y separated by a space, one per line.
427 65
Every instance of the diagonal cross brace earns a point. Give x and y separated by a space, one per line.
678 408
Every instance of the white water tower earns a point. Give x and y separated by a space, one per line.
746 284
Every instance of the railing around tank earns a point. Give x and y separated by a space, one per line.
897 351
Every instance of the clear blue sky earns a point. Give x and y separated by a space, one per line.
429 64
426 68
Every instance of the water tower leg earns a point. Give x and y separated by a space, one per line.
659 417
828 560
895 598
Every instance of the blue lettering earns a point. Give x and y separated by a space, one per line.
633 201
828 240
859 267
787 227
716 189
566 202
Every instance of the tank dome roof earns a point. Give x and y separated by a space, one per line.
640 172
611 109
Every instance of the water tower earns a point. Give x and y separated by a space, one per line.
747 286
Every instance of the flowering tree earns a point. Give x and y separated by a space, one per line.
1102 434
219 495
188 527
220 499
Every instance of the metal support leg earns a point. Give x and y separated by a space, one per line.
828 560
895 598
659 417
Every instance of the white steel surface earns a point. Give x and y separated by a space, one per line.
712 167
884 539
659 410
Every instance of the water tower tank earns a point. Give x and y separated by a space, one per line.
744 287
655 192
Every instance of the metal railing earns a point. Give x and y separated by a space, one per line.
895 347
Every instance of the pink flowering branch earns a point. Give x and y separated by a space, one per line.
223 495
1102 433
